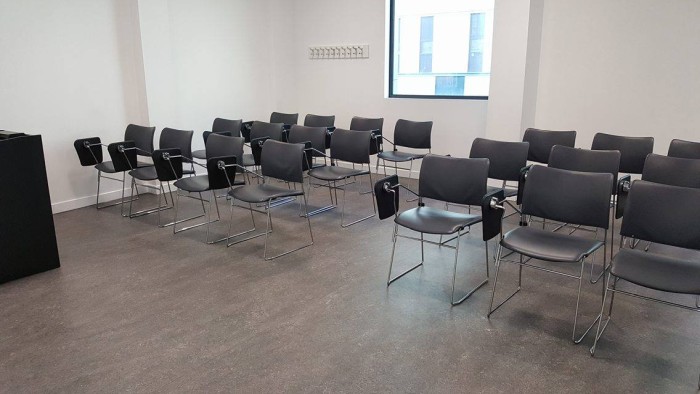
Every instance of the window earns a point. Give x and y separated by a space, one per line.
440 48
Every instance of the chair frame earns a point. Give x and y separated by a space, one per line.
392 185
523 262
268 205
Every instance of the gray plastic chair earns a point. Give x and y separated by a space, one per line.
542 141
684 149
633 150
350 147
259 133
231 128
314 135
674 171
407 134
565 196
89 152
281 161
374 125
447 179
661 214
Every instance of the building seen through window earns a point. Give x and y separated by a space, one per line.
441 48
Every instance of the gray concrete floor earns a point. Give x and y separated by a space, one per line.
136 308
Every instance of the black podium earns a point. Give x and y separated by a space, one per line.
27 233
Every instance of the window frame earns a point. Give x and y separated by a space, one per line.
392 9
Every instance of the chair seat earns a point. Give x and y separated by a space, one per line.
247 160
335 173
659 272
108 166
398 156
200 154
144 173
546 245
435 221
262 193
194 184
508 191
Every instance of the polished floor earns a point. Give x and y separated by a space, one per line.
135 308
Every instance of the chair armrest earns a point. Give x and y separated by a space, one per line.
623 190
492 214
386 192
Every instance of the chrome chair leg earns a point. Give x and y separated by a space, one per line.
311 236
391 262
454 274
230 226
342 213
495 282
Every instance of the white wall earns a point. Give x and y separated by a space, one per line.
357 87
625 66
206 59
70 69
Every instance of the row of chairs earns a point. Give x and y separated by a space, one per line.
576 187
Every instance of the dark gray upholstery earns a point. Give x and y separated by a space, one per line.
144 173
232 126
315 135
568 196
454 180
436 221
351 146
542 141
193 184
546 245
279 117
684 149
411 134
262 193
657 271
312 120
142 137
283 161
663 214
359 123
335 173
370 124
633 150
673 171
221 145
584 160
177 139
398 156
270 130
506 159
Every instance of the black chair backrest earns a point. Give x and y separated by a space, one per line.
387 198
84 152
584 160
568 196
283 161
168 167
413 134
542 141
206 134
684 149
218 178
351 146
633 150
273 131
454 180
673 171
279 117
315 135
506 159
232 126
142 137
221 145
123 155
312 120
366 124
663 214
180 139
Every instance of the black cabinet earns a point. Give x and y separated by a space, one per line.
27 233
